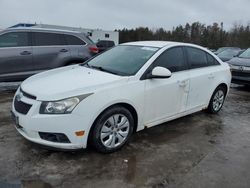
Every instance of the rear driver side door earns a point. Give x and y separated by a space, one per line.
49 50
203 68
15 54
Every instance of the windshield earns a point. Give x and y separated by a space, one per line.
228 53
221 50
122 60
245 54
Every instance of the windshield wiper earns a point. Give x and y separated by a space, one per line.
86 64
103 69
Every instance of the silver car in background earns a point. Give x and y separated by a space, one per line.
27 51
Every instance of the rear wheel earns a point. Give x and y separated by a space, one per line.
112 129
217 100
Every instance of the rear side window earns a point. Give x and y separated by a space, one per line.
196 57
73 40
14 39
211 60
172 59
48 39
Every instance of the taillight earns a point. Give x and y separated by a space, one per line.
93 49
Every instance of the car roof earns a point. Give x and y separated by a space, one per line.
41 29
161 44
157 44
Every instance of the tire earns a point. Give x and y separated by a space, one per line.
112 129
217 100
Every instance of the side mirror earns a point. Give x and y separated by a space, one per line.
160 72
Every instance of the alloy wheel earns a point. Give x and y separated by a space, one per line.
218 100
115 131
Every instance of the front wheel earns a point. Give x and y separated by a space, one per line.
112 129
217 100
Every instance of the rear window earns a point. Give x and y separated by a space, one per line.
110 43
73 40
48 39
105 43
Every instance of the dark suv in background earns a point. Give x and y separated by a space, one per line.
104 45
24 52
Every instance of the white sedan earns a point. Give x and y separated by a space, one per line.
126 89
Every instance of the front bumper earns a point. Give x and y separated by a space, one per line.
29 125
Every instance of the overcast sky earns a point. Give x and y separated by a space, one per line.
118 14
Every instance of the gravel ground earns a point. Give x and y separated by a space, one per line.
200 150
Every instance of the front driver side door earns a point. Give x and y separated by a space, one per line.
165 98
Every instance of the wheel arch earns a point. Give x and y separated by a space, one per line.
224 85
122 104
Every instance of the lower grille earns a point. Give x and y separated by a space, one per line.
241 74
54 137
21 107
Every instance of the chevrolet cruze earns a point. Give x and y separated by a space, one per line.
126 89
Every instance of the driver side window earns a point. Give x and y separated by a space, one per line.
14 39
172 59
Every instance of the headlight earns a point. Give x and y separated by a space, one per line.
64 106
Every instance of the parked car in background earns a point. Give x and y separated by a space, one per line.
104 45
228 54
225 48
27 51
125 89
212 50
240 67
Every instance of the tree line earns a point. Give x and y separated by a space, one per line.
211 36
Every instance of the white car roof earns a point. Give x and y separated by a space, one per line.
158 44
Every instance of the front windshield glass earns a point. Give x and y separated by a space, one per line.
228 53
123 60
245 54
221 50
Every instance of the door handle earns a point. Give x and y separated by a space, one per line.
182 83
211 76
63 50
25 53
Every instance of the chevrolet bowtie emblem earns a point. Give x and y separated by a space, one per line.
19 96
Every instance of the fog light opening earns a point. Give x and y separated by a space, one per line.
54 137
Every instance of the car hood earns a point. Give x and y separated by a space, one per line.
240 61
224 59
68 81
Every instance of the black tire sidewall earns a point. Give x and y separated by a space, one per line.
96 131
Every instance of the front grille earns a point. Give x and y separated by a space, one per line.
27 95
21 107
241 74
